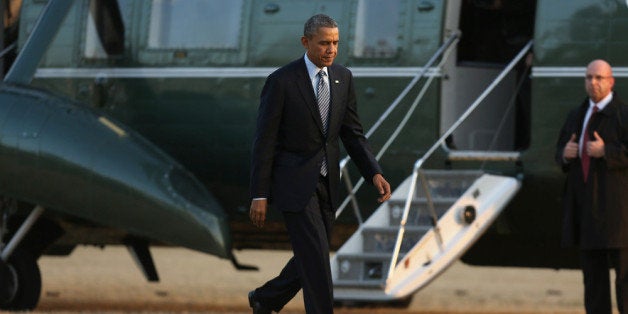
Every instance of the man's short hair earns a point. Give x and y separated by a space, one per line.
317 21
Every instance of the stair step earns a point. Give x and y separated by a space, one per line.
363 267
422 201
366 255
418 215
447 173
447 183
383 239
372 284
483 155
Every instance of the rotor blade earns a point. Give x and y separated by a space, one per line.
3 7
37 43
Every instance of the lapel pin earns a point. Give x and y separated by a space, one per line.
336 81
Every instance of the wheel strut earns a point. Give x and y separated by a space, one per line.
21 233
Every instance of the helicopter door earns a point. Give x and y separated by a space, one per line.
493 32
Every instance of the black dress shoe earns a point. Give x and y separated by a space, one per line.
257 307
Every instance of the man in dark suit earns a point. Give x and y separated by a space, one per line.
593 150
295 164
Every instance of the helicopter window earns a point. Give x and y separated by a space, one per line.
195 24
376 39
105 30
93 47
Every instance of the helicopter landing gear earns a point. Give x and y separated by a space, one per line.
20 278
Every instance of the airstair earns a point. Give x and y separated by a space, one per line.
432 218
464 203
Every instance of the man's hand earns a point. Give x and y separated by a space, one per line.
382 187
596 148
571 149
257 213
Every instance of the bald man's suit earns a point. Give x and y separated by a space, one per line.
595 212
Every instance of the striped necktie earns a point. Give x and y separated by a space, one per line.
322 98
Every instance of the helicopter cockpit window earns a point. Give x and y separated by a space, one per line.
377 27
213 24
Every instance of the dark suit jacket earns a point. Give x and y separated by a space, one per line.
289 144
595 214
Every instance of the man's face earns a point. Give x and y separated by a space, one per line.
322 48
599 80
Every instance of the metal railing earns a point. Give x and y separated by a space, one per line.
444 50
7 49
417 171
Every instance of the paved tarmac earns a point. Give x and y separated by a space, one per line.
94 280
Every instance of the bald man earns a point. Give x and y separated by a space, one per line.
592 150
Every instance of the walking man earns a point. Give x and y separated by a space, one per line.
305 108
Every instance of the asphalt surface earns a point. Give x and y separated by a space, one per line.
94 280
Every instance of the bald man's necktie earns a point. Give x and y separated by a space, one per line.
585 158
322 98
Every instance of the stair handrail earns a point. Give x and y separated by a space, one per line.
444 50
419 163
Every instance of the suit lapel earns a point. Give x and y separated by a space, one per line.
605 114
305 88
334 88
598 121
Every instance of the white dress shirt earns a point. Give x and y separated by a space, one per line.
600 106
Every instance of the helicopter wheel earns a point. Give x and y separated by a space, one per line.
20 282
